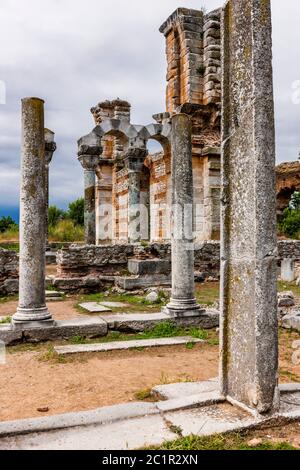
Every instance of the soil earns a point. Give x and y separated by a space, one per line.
29 382
34 379
64 310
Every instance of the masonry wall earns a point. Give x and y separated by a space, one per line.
9 272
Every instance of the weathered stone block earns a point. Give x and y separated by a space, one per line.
150 266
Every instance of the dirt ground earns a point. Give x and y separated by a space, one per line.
65 310
33 378
29 381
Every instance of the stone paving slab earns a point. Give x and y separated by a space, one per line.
136 425
94 307
114 304
125 345
184 389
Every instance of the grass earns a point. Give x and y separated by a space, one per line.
208 293
228 442
11 235
66 231
135 303
5 299
5 320
11 247
161 330
284 286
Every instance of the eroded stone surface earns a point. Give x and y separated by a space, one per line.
249 247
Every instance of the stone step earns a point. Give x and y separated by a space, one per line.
125 345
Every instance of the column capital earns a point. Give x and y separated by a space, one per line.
89 162
50 146
134 159
90 145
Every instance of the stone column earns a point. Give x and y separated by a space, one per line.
183 301
32 304
134 162
50 147
287 270
249 343
89 156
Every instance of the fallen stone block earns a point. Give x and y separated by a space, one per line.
125 345
10 336
94 307
149 266
292 321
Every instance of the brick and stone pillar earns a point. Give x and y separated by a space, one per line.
32 305
249 343
50 147
89 156
104 208
134 162
183 301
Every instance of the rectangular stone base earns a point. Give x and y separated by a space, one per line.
149 266
143 282
35 333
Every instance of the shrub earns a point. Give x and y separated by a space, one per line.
66 231
55 215
290 223
76 212
7 223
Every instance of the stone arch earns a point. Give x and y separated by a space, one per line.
159 165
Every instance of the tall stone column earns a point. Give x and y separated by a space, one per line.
50 147
183 301
89 154
32 304
249 343
134 162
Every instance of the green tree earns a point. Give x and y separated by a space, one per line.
295 201
76 212
7 223
55 215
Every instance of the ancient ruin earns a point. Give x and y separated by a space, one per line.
156 220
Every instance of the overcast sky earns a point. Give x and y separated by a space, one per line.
74 53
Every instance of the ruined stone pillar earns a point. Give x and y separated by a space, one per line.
134 162
183 301
32 304
50 147
89 156
249 343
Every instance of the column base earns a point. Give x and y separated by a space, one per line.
183 308
32 316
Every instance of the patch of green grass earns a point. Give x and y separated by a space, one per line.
190 345
287 374
11 247
5 320
208 293
78 340
220 442
51 356
144 395
5 299
284 286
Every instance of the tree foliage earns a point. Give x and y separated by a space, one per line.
55 215
76 212
290 223
7 223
